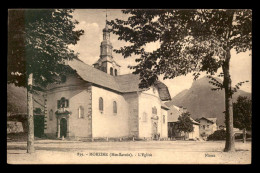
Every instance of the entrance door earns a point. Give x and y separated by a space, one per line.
63 127
38 125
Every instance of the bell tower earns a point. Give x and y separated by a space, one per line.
106 46
106 63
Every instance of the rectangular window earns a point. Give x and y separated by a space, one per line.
101 104
114 107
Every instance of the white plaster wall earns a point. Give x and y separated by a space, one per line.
195 134
108 124
164 130
73 88
214 127
80 127
208 130
147 100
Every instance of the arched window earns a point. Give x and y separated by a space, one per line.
163 119
81 112
115 72
111 71
144 118
114 107
51 115
101 104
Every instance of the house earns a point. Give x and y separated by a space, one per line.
207 126
221 127
98 102
173 132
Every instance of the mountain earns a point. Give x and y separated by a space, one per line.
17 100
201 101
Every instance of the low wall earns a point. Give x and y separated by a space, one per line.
14 127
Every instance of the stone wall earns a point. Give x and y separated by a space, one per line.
14 127
133 119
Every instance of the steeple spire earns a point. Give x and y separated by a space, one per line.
106 46
106 62
106 16
105 30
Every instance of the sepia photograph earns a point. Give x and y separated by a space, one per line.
129 86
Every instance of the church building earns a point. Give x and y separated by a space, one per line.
98 102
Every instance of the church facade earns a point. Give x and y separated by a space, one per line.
98 102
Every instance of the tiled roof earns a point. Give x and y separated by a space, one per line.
213 120
128 82
174 114
122 83
194 122
109 59
93 75
164 106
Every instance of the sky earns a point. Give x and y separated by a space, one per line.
92 21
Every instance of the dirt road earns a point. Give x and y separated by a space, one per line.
139 152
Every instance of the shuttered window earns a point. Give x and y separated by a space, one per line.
62 103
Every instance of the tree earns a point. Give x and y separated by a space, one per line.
243 115
184 123
38 43
217 135
190 41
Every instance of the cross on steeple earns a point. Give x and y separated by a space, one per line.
106 16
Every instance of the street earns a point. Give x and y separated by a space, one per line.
134 152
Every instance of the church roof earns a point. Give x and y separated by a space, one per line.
93 75
122 83
109 59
